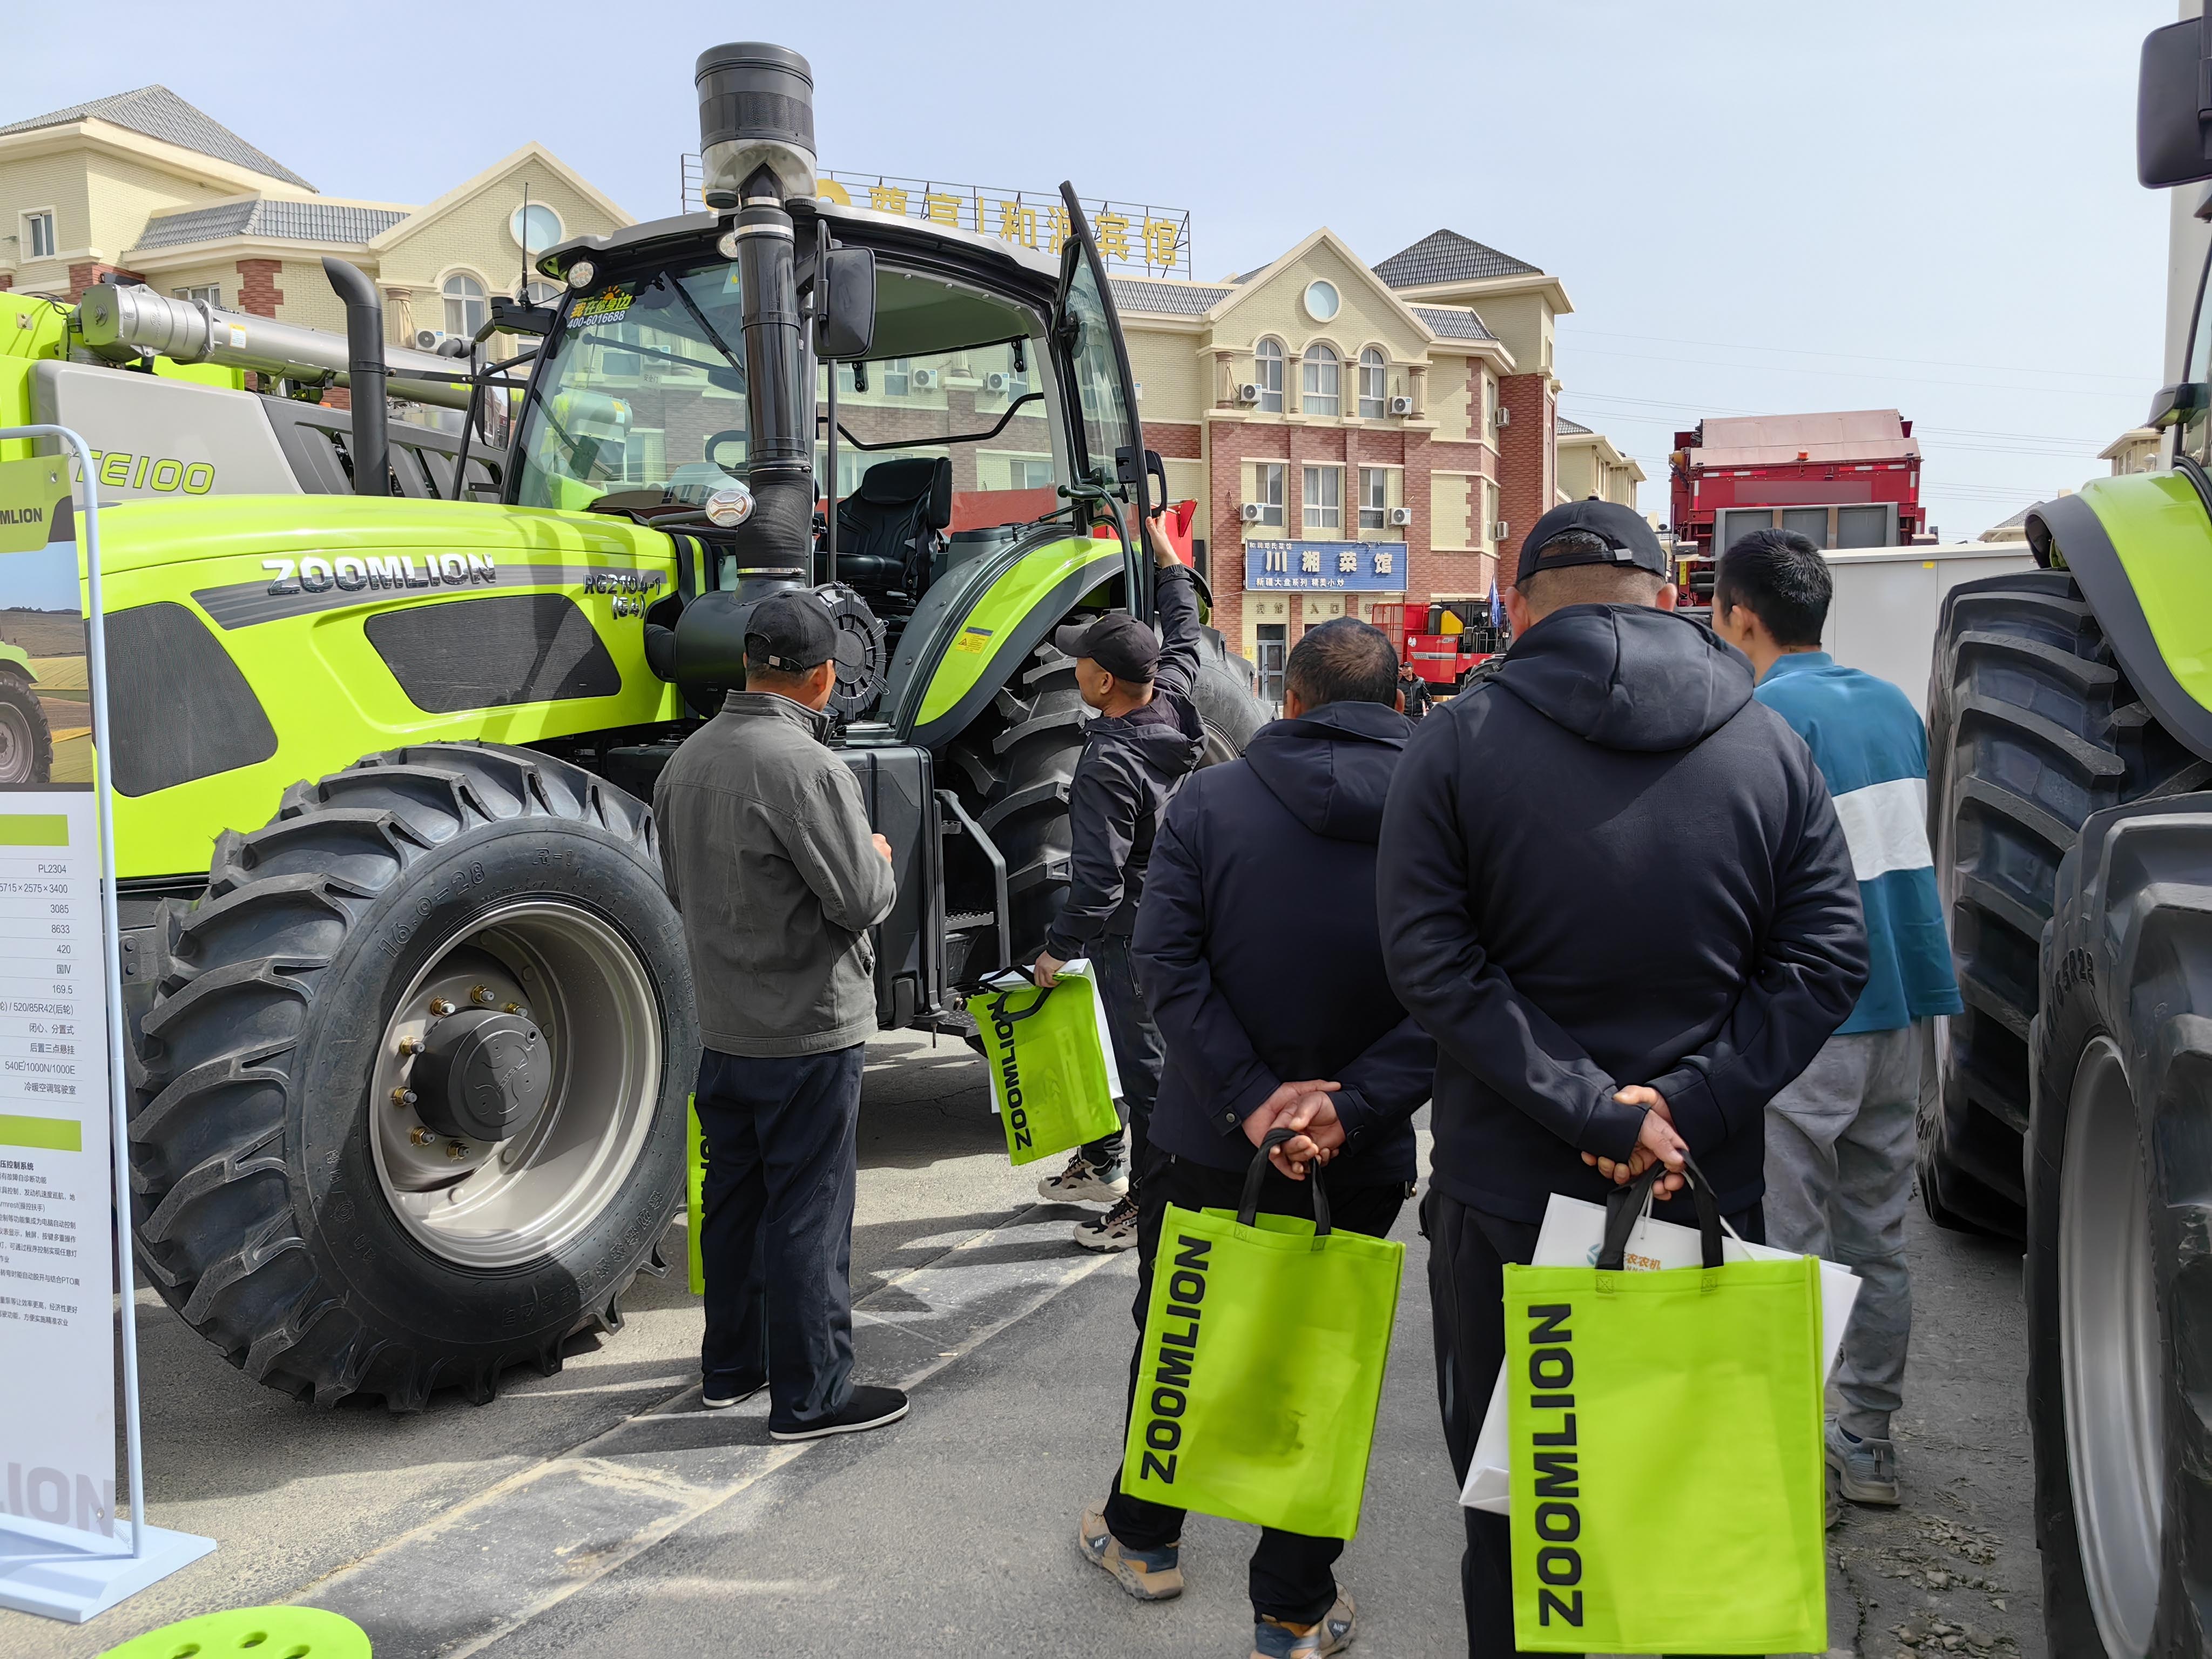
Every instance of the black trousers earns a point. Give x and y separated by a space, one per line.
1469 1250
1290 1576
776 1238
1139 1051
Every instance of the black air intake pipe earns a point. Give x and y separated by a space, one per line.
365 375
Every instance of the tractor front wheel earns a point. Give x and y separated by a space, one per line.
26 742
409 1101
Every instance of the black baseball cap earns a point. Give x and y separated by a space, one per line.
1117 642
790 633
1629 540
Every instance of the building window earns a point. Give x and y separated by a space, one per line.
1269 476
37 235
1272 652
1321 301
1374 497
898 377
464 305
1323 497
535 228
1267 370
205 293
1323 377
1374 385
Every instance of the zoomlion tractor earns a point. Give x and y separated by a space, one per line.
2069 757
412 1042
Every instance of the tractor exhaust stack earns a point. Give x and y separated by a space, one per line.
366 374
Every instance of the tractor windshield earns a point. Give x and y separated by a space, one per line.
639 392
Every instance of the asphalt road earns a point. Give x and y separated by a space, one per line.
600 1512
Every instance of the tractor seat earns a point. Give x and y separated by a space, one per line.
889 528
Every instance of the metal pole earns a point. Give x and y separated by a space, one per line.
111 959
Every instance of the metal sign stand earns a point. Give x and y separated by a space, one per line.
58 1571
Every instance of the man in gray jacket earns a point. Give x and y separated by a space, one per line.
768 854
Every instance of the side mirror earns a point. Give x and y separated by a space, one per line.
2174 96
845 304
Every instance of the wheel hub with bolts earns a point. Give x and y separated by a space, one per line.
483 1075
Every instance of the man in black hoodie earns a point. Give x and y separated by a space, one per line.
1145 742
1614 890
1270 1008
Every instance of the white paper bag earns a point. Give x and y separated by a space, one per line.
1079 968
1573 1232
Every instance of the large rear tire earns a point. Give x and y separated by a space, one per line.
407 1105
2031 726
27 741
2118 1282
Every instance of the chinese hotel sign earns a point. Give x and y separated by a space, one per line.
1132 236
1363 567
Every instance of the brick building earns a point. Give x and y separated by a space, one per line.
1354 436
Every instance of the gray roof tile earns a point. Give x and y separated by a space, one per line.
160 113
1568 429
1166 298
1445 255
286 221
1453 325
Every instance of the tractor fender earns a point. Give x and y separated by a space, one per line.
978 624
2140 547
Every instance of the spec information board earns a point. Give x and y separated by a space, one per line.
56 1225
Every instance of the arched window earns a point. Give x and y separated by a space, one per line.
1373 385
1267 371
1323 382
464 305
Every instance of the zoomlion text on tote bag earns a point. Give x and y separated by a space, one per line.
1261 1365
1573 1235
1051 1059
1668 1487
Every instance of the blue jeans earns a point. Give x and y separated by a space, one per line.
1139 1051
776 1235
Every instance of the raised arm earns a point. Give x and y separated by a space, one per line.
1175 590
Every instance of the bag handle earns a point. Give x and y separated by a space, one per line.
1248 1209
999 1004
1627 1205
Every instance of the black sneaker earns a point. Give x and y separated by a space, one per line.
868 1408
719 1394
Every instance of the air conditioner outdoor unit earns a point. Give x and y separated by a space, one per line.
997 383
1250 512
429 339
922 380
1500 530
1401 405
1401 515
1248 393
1505 415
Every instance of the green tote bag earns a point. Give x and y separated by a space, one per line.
1261 1367
1051 1064
1667 1486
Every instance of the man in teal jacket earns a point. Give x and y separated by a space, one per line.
1840 1139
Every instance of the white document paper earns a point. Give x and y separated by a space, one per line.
1572 1233
1080 969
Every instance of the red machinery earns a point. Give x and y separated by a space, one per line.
1849 479
1441 659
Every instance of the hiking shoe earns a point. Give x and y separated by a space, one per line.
721 1393
1273 1639
1148 1575
1085 1182
868 1408
1865 1469
1115 1230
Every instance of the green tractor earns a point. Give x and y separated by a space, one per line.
2070 762
482 640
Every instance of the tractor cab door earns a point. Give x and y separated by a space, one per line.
1110 458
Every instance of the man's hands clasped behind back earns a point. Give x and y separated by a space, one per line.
1656 1142
1306 1109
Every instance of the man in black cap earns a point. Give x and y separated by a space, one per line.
1614 890
767 855
1145 742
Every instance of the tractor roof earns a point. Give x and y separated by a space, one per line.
157 113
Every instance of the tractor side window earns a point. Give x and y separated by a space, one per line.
1104 416
2195 437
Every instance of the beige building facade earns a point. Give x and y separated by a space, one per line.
142 186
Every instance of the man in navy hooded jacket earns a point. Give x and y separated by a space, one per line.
1258 948
1615 890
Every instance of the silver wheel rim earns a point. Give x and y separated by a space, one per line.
2109 1349
502 1203
15 746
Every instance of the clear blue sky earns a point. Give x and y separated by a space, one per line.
1755 207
